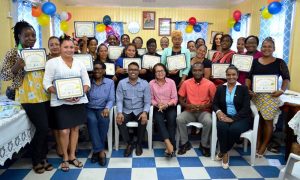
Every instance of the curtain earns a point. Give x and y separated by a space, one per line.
117 27
56 26
242 33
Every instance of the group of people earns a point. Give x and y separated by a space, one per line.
134 89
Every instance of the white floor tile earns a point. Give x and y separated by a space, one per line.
245 172
120 163
207 162
146 153
159 145
46 175
258 161
143 173
190 153
166 162
92 173
24 163
194 173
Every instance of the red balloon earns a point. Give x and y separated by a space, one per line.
108 28
237 15
36 11
69 16
270 1
192 21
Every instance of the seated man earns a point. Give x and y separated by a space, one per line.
196 97
133 104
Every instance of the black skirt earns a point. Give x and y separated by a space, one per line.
69 116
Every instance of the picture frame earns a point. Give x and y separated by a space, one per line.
164 26
213 33
148 20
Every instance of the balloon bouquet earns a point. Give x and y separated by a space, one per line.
193 25
104 26
274 7
234 22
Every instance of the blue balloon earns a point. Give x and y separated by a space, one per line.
274 7
197 28
237 26
106 20
49 8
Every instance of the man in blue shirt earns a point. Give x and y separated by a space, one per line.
133 104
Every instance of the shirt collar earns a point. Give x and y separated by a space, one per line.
138 80
103 81
236 84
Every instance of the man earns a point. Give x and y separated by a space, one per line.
133 104
196 97
149 22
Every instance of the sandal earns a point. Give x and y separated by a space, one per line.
65 166
39 168
47 166
76 163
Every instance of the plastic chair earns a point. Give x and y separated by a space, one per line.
109 133
134 124
287 172
250 135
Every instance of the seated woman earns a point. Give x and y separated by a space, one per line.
232 106
164 99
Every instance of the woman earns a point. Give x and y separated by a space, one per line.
102 56
138 42
267 103
191 45
164 42
101 99
90 44
76 46
28 87
199 42
68 113
125 40
200 57
240 45
54 47
112 39
217 42
164 99
177 75
224 56
232 106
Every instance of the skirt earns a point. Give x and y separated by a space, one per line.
267 105
69 116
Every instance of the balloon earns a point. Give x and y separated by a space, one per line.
43 20
108 29
106 20
237 15
192 21
274 7
36 11
189 28
63 16
237 26
231 22
265 14
270 1
100 27
64 26
197 28
69 16
49 8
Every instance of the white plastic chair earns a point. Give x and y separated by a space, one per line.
287 172
250 135
109 133
134 124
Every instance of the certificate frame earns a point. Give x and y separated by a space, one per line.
34 65
127 61
218 70
164 26
114 52
141 51
152 60
210 54
271 81
242 62
89 29
110 69
86 59
181 63
73 84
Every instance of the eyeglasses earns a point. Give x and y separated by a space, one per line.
161 71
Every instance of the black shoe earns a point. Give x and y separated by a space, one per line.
128 150
205 151
184 148
95 158
102 160
139 150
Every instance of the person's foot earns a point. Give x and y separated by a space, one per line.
39 168
95 158
225 161
102 158
128 150
65 166
184 148
47 165
139 150
219 156
204 150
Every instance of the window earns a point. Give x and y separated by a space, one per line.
55 26
244 32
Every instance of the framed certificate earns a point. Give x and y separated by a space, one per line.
86 59
141 51
35 59
265 83
114 52
219 70
149 61
210 54
110 69
176 62
242 62
127 61
69 88
84 28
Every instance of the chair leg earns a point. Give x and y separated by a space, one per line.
246 145
149 131
116 138
177 138
253 152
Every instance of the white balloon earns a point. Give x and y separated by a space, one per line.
63 16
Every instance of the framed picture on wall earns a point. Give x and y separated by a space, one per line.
213 33
164 26
148 18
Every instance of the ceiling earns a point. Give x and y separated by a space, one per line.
211 4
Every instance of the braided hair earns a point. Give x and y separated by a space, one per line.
18 28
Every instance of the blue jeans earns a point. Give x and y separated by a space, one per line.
98 128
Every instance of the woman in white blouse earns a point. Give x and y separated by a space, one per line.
68 113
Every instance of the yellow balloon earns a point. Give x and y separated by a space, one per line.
64 26
231 22
43 20
189 28
100 27
265 14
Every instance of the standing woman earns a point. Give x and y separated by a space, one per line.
102 56
29 92
125 40
68 113
199 42
177 75
191 45
200 57
267 103
217 42
54 47
90 46
240 45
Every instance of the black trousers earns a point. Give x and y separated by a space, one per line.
124 129
38 114
170 115
229 133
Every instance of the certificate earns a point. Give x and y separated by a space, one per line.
114 52
69 88
35 59
193 54
127 61
141 51
86 59
219 70
84 28
210 54
176 62
242 62
265 83
110 69
149 61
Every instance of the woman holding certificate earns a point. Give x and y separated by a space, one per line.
200 57
102 56
177 59
67 81
90 44
28 87
262 83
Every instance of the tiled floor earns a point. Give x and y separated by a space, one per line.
151 165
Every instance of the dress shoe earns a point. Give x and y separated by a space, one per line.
95 158
139 150
205 151
102 160
184 148
128 150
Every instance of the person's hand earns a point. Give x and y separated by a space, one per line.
192 107
173 72
251 93
73 100
200 107
114 78
105 112
228 120
120 118
276 93
84 39
143 71
20 64
221 116
143 118
162 107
